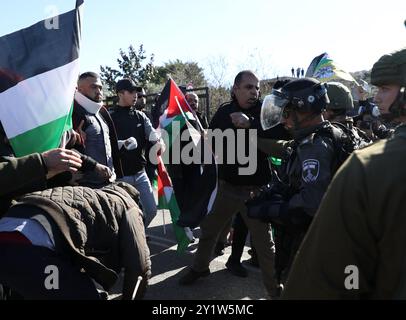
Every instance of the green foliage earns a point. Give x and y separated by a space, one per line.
182 73
132 64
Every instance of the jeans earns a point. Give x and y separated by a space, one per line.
141 182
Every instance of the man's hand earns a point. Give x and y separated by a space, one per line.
82 133
240 120
103 171
61 160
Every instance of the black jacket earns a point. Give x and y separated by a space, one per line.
230 172
131 123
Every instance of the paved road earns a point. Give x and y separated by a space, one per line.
168 266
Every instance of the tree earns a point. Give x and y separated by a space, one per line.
183 73
132 64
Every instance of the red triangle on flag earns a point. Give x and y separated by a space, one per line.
173 107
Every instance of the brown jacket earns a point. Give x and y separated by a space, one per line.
93 223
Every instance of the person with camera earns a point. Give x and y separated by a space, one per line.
310 161
369 118
355 248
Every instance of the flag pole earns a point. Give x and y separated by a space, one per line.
163 220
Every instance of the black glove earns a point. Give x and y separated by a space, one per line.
267 210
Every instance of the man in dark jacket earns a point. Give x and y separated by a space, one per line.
237 180
93 122
134 126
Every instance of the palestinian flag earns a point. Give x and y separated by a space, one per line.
39 67
197 189
174 107
167 200
325 69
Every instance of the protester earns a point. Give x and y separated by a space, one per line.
98 135
242 113
134 124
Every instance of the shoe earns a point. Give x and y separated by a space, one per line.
253 261
192 276
219 249
277 292
189 234
237 269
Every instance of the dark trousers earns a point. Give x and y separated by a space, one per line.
239 238
23 269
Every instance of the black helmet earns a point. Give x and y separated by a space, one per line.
302 95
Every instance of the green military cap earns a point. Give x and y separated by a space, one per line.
340 97
390 69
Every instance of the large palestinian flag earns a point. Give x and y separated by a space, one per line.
38 73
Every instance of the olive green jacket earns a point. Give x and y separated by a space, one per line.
19 176
356 245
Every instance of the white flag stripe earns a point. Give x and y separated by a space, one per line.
39 100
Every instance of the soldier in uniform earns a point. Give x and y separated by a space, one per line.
355 247
310 165
340 111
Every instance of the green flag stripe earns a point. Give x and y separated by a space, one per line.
182 239
40 139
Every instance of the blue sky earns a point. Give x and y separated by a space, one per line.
268 36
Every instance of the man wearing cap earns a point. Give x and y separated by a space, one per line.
134 131
356 246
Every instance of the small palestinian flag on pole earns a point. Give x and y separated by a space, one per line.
196 191
167 200
39 67
175 109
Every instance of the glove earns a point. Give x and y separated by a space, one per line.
267 210
129 144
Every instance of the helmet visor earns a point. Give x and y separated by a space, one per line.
272 109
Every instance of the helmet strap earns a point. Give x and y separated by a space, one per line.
398 107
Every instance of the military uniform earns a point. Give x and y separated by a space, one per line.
360 223
307 173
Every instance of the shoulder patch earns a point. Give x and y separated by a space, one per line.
310 170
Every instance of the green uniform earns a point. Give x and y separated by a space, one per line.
361 222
